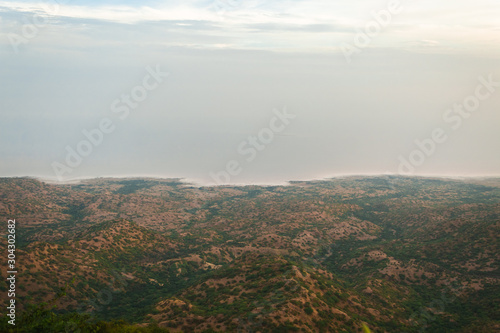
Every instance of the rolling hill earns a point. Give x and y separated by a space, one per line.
401 254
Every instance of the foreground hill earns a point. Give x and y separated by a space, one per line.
397 253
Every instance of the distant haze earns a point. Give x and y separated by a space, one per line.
234 74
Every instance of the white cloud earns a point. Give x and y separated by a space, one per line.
312 25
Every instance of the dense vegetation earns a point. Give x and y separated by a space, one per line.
396 253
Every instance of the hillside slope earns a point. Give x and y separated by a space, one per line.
398 253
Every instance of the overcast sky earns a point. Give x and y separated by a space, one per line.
256 91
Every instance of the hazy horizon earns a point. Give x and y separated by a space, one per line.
200 183
249 92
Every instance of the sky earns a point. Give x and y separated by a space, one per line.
249 92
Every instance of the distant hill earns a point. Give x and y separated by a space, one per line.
401 254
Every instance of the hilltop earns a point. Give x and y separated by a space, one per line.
398 253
